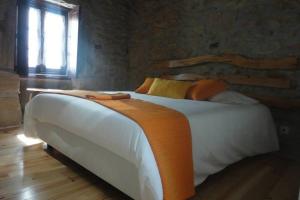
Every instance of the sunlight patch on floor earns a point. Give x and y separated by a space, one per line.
27 140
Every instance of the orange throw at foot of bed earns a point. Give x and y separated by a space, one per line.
168 133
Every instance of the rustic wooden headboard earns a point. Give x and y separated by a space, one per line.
279 82
236 60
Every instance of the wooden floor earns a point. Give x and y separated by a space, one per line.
29 172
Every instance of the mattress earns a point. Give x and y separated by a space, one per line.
221 133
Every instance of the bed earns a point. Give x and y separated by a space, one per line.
115 148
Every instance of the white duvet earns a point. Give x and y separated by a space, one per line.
221 133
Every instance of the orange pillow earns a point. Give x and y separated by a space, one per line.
205 89
144 88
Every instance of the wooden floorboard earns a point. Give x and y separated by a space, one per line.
29 172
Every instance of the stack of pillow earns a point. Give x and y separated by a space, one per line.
200 90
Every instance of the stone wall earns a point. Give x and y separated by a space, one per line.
7 34
103 44
175 29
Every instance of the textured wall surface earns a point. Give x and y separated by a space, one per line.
103 44
7 33
175 29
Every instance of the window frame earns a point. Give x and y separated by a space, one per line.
22 37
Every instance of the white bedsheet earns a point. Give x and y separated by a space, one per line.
221 134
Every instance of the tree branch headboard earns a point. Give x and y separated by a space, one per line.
236 60
279 82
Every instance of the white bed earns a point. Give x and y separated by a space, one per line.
115 148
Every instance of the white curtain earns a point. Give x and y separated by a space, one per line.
54 41
73 41
34 37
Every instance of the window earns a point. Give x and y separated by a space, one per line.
50 32
46 41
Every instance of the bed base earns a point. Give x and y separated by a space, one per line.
108 166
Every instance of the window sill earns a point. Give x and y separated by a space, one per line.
46 76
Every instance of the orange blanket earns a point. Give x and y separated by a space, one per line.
169 136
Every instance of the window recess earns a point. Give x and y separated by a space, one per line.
47 38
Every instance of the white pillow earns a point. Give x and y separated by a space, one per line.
231 97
